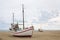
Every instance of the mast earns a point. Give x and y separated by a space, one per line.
23 14
13 18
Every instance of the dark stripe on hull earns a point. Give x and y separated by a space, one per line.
22 35
23 31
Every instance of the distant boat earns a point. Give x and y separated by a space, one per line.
22 33
40 30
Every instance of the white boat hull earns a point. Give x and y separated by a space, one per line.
26 32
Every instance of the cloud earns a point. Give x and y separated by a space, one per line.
36 11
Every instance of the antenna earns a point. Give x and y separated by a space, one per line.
23 14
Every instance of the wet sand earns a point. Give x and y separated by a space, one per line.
46 35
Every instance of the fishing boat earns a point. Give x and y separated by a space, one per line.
26 32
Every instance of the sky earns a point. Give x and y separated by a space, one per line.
36 12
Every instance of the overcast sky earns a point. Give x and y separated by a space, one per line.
36 11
